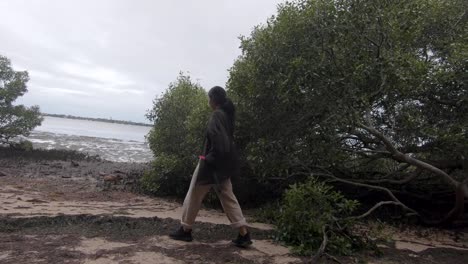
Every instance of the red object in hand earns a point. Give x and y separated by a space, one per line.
202 157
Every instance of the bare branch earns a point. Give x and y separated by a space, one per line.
458 208
330 175
399 156
373 209
383 78
371 41
332 258
321 250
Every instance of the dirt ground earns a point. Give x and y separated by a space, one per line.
62 212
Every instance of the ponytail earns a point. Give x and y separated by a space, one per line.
230 110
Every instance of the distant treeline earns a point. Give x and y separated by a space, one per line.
99 119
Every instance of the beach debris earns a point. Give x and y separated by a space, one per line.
112 178
36 201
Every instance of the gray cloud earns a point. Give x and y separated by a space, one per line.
110 58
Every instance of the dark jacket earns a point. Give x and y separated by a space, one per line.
221 161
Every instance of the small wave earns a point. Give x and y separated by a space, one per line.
42 141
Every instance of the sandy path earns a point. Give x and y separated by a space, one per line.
18 202
55 212
34 200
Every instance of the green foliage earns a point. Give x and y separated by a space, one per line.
267 213
179 118
309 76
309 207
15 120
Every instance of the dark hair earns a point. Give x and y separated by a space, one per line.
218 95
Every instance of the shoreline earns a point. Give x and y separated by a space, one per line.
112 149
103 120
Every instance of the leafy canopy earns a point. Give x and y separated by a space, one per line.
15 120
312 74
176 139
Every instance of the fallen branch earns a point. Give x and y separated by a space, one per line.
461 191
396 200
399 156
332 258
458 209
322 247
372 209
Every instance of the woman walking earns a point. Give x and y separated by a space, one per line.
218 163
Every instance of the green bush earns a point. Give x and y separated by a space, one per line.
267 213
179 118
15 120
313 73
306 209
166 177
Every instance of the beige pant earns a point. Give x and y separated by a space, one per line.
194 199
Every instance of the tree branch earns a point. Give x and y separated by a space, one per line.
321 250
399 156
383 78
330 175
373 209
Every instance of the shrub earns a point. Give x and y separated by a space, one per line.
309 207
166 177
176 139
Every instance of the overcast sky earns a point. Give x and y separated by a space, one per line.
111 58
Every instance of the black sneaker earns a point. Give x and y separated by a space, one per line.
242 241
181 235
